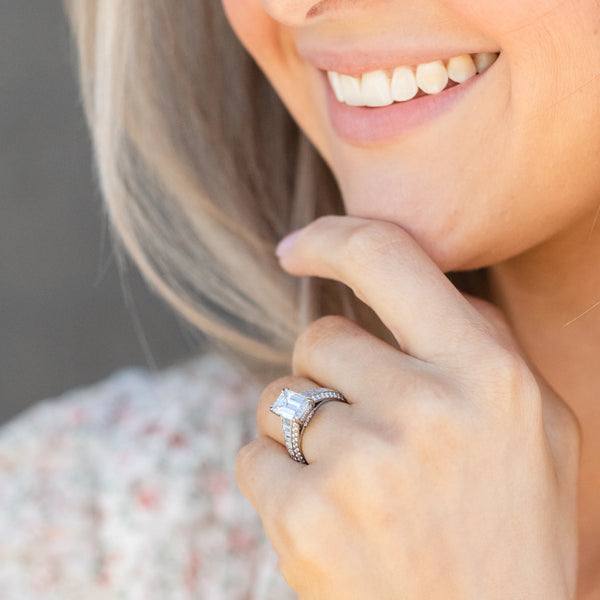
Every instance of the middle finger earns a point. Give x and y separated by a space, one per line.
341 355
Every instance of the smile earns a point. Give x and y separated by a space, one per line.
384 87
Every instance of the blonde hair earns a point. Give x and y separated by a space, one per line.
202 170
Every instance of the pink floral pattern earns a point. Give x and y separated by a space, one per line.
126 490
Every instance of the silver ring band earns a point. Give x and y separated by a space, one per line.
296 409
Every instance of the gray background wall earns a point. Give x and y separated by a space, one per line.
64 320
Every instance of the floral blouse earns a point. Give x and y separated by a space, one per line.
126 490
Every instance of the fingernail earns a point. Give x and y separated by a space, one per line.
286 243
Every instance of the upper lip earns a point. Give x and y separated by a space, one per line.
356 61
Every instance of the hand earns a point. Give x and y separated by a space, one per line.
452 471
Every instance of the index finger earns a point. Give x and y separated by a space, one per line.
389 271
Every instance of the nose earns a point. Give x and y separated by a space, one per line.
293 12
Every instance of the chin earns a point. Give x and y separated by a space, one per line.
453 255
456 233
452 245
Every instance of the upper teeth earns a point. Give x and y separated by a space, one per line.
376 88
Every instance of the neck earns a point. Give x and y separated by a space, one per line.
551 297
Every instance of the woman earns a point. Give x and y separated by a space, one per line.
452 472
460 459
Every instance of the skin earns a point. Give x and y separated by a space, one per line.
507 179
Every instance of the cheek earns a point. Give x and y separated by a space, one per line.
273 48
500 19
251 24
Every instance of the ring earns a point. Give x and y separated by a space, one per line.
296 409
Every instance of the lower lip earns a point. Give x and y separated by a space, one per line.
360 125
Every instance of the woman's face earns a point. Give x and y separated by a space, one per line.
478 172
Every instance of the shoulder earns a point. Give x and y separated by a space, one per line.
128 486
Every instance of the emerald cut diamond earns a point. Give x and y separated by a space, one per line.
292 405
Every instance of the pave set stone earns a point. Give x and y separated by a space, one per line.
296 409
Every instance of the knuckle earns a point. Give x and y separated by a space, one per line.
322 330
488 310
324 222
366 243
511 385
508 366
242 459
316 339
243 463
368 238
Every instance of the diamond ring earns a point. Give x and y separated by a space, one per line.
296 409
